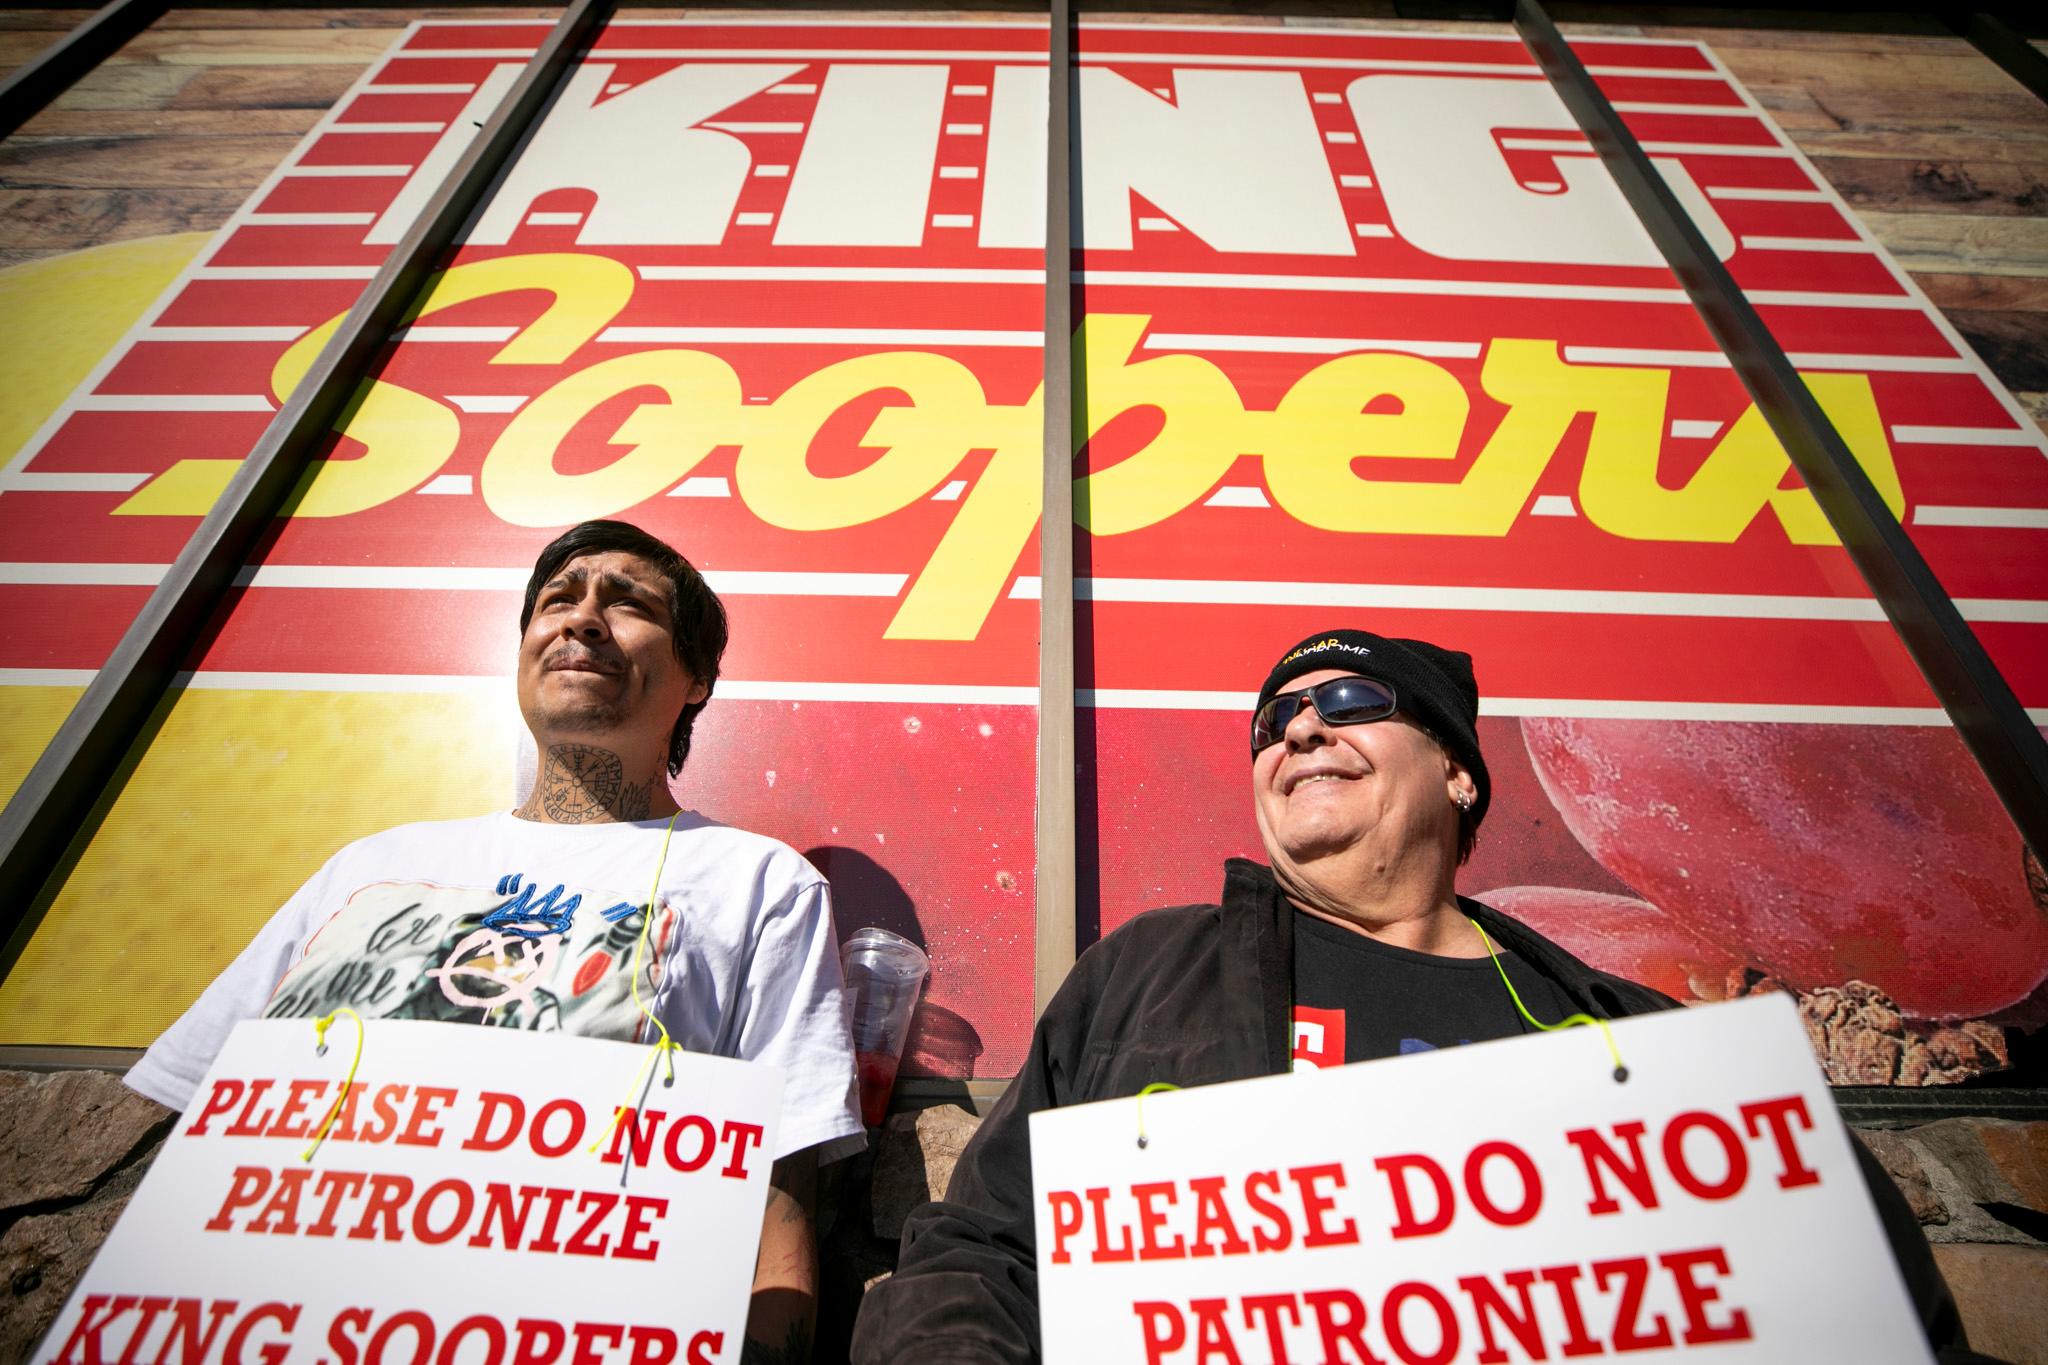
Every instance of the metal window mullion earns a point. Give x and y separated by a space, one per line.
1057 875
56 799
1969 687
2008 47
48 74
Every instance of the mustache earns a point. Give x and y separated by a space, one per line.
573 654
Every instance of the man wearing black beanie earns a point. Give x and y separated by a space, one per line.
1369 787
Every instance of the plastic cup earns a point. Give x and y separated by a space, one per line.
884 974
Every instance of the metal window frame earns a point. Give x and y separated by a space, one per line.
2007 46
1056 864
48 74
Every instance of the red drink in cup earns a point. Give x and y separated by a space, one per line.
884 974
877 1079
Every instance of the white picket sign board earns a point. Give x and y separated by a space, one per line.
454 1215
1709 1207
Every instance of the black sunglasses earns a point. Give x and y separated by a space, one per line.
1340 701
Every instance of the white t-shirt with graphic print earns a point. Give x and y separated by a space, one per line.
514 923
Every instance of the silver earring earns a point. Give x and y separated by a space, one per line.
1463 803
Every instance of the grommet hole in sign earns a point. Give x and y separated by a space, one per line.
1156 1086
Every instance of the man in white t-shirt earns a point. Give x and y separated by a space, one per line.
529 918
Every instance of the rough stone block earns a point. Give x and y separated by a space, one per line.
914 1160
2020 1152
1901 1161
43 1256
1961 1145
41 1260
1990 1175
2003 1294
60 1134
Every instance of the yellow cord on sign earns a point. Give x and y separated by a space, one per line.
1569 1021
1150 1089
667 1044
320 1027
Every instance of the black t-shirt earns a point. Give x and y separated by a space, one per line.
1356 998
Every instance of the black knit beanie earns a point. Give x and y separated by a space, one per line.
1433 685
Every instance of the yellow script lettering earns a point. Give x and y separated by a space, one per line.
1193 450
406 436
1311 439
1365 406
520 482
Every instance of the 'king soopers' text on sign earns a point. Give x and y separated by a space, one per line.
1500 1201
455 1211
1350 299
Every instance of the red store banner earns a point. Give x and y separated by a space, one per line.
1366 336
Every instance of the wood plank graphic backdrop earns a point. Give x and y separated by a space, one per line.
1942 157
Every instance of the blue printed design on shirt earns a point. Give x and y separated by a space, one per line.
527 916
1409 1045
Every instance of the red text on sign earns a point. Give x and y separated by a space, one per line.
408 1116
409 1337
690 1142
137 1328
1599 1306
1702 1152
388 1207
185 1331
1485 1161
1264 1211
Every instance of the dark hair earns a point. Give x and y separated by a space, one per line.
696 615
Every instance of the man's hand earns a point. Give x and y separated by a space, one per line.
785 1302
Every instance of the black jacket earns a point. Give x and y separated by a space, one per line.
1192 995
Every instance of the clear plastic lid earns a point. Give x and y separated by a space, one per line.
884 954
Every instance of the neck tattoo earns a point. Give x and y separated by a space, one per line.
581 784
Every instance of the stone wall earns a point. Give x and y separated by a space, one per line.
74 1144
1980 1188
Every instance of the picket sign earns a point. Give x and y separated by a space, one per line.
1505 1201
453 1214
